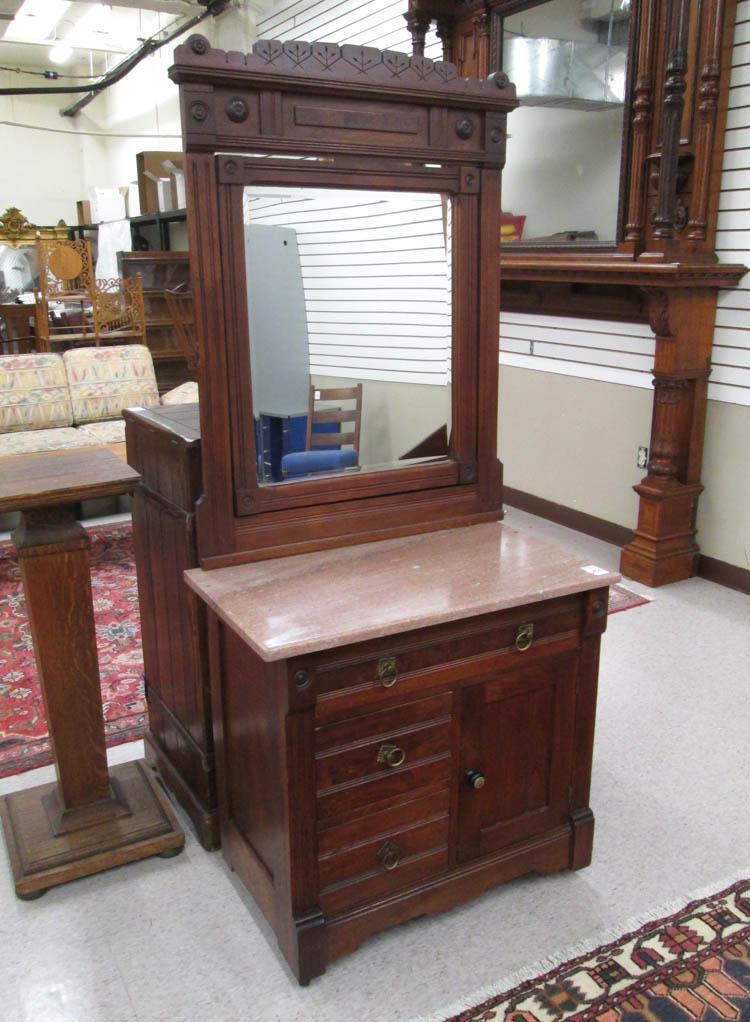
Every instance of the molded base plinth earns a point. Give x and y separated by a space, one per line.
41 859
663 549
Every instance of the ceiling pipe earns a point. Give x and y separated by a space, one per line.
118 72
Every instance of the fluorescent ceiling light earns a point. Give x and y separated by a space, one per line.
35 20
97 30
60 53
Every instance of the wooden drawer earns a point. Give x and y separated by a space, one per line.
384 791
350 831
376 672
384 755
382 723
387 863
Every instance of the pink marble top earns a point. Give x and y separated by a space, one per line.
303 604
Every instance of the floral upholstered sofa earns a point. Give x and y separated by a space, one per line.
49 402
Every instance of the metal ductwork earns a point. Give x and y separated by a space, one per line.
566 73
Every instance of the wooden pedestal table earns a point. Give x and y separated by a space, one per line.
92 818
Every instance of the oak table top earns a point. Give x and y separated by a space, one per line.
303 604
59 477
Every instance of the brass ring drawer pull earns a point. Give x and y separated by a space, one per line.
387 671
524 637
389 855
391 755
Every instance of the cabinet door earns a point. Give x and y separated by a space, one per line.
516 756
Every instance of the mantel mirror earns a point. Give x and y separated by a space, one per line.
344 210
349 316
569 61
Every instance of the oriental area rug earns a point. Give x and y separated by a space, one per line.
24 740
694 964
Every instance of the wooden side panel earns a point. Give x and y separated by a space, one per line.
179 740
253 753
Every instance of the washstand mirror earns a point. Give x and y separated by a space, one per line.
344 209
349 315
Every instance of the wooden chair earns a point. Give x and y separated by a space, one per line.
180 307
119 314
66 269
66 293
16 331
327 415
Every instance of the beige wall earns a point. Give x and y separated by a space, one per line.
575 442
724 508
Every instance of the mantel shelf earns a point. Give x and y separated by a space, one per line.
614 269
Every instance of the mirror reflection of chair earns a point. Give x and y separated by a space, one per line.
328 446
16 330
180 307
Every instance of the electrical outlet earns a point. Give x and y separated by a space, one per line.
642 461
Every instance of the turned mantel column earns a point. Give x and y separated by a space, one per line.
664 548
418 25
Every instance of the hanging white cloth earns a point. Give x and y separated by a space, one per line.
114 237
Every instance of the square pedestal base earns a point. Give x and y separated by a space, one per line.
40 858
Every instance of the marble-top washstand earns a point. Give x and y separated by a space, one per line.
309 602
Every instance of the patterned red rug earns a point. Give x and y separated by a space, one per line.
694 964
24 741
622 598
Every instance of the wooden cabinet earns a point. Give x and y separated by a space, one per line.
163 444
368 783
161 271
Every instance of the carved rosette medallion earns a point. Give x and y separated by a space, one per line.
237 110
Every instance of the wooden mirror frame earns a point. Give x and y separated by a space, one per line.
372 119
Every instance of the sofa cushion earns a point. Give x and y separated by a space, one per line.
33 393
33 441
185 394
110 432
103 381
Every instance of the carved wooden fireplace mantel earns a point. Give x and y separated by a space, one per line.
662 267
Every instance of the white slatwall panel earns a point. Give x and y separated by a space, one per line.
608 351
592 349
378 23
730 376
375 275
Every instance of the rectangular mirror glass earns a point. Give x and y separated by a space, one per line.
568 60
349 311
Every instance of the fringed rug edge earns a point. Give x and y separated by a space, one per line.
539 969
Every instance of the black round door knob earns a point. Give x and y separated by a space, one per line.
475 779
